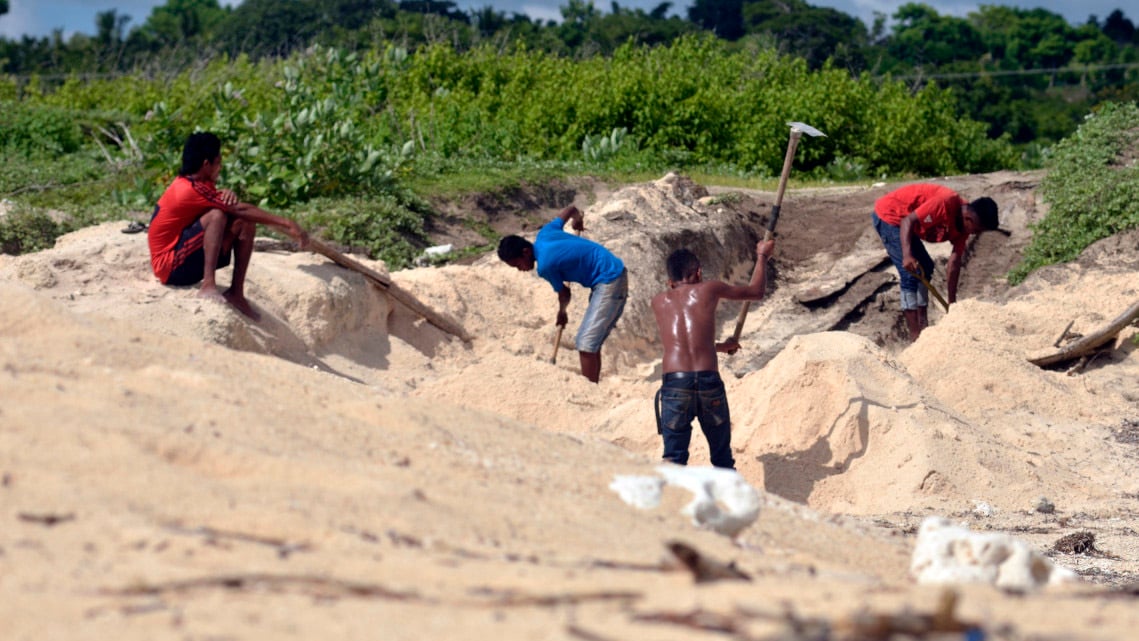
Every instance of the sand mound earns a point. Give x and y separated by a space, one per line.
836 423
167 464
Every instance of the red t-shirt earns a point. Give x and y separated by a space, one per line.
938 211
183 202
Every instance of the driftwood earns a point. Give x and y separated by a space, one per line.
1089 343
393 290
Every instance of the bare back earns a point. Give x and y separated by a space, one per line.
686 316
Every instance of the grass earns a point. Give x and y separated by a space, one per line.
87 189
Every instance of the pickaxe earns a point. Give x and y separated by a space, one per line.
797 131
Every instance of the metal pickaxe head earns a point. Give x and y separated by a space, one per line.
807 129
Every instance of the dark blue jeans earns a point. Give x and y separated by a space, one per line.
684 396
892 240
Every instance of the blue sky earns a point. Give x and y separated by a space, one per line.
40 17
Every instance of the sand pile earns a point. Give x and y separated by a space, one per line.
168 466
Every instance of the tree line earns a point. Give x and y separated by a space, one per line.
1026 73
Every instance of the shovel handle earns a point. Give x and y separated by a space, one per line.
932 289
557 343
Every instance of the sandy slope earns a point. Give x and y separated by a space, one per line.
344 470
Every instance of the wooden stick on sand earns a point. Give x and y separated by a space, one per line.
390 288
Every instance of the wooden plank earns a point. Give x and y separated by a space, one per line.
390 288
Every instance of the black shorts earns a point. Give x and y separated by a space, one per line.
190 258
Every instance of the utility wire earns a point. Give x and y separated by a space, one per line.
1011 72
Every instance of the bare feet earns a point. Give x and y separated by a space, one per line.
239 302
211 293
242 305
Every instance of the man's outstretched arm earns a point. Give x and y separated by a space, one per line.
757 287
255 214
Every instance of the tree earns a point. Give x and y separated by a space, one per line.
110 26
722 17
444 8
621 25
1119 28
179 21
269 27
923 37
814 33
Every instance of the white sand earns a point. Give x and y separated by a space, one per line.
344 470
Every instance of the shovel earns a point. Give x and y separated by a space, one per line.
557 343
931 288
797 131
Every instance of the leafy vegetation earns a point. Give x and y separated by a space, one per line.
345 112
361 127
1092 187
27 230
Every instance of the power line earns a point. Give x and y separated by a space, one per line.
1013 72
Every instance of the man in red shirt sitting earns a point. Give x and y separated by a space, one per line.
197 228
905 217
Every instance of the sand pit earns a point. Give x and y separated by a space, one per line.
171 469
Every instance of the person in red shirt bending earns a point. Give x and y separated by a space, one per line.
197 228
905 217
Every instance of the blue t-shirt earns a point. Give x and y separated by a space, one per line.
563 257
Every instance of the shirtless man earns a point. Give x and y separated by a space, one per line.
196 228
692 388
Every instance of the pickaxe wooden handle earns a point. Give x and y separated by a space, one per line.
557 343
797 131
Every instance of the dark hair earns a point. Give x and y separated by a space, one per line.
200 147
986 210
510 247
682 265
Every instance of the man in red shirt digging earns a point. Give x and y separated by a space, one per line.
905 217
197 228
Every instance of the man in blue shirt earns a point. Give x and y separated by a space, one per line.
562 257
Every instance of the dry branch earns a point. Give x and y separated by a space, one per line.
1089 343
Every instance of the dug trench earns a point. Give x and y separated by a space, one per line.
827 254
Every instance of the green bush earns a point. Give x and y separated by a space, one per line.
325 124
1092 187
384 227
26 230
30 130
